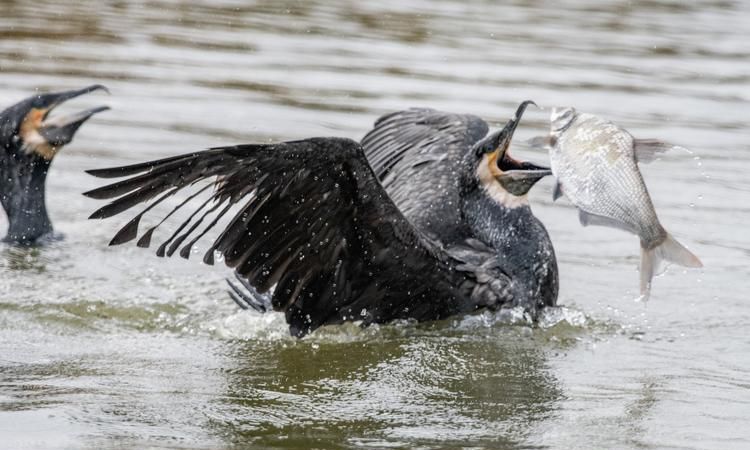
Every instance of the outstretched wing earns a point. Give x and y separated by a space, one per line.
415 153
419 135
313 221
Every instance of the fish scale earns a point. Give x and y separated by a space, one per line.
600 155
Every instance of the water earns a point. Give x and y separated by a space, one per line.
114 348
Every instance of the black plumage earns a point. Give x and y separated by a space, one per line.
29 140
317 228
419 154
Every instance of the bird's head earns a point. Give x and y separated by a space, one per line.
29 126
505 179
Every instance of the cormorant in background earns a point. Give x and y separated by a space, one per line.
316 222
29 140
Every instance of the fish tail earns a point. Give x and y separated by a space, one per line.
672 251
669 250
648 268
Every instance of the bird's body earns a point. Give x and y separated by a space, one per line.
22 189
29 140
317 227
418 156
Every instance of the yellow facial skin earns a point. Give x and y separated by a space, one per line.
488 173
33 141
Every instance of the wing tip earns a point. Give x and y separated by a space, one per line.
145 240
99 193
98 214
109 172
127 233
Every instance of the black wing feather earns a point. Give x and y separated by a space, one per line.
313 220
415 154
124 171
401 135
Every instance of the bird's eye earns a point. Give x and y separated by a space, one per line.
483 149
490 143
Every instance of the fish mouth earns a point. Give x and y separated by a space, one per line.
45 134
517 177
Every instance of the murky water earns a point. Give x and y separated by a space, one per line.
112 347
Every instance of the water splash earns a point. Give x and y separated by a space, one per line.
563 315
251 325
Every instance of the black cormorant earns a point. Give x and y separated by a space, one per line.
29 140
450 233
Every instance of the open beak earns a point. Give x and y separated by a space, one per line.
58 131
517 177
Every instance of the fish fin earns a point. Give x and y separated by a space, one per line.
557 192
671 251
648 150
647 269
587 218
543 142
674 252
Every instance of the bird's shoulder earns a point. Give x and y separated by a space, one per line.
470 125
418 136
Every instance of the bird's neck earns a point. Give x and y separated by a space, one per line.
22 181
524 249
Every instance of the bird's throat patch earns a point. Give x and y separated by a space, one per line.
492 163
487 174
33 141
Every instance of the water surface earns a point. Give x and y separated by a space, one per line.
114 348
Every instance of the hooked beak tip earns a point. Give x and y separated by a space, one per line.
522 108
99 87
89 89
99 109
516 119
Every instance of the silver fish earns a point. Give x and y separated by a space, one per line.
595 164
